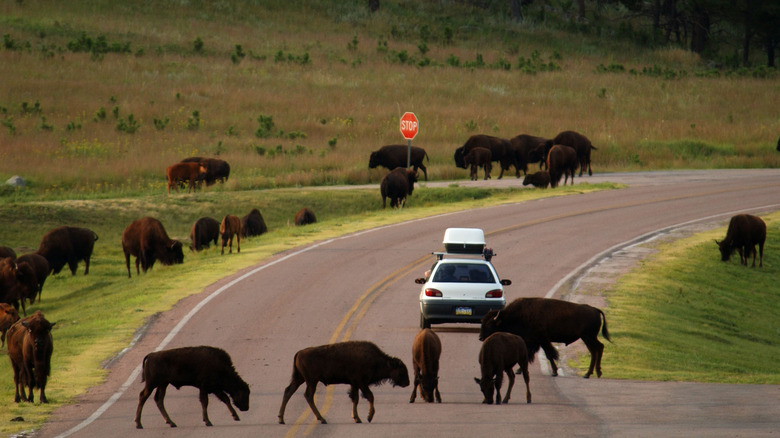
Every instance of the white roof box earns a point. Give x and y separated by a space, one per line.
464 240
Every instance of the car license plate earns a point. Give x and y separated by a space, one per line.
463 311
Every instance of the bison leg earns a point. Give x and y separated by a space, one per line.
204 403
226 400
497 385
551 354
524 370
416 384
86 263
288 392
159 398
355 397
311 387
368 395
510 374
142 397
596 349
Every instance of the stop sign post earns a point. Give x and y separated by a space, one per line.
409 128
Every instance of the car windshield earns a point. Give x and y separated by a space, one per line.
463 273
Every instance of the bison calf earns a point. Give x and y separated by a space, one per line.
30 346
426 351
744 232
358 364
499 353
8 316
396 185
476 158
207 368
305 217
540 179
231 226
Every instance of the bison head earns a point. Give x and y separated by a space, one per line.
239 392
399 375
428 386
373 160
725 250
490 324
486 386
39 331
411 176
174 254
459 160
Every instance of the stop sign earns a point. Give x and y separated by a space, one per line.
409 125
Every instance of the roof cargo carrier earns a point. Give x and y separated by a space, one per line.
464 241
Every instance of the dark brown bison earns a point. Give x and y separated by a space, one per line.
540 179
744 232
41 267
305 217
253 224
230 226
6 251
216 169
396 185
30 346
580 143
8 316
204 230
500 150
358 364
17 283
476 158
499 353
68 245
541 321
395 155
562 160
147 240
426 350
526 149
180 173
207 368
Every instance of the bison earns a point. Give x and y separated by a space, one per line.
230 226
395 155
180 173
541 321
30 346
17 282
526 151
396 185
499 353
355 363
41 267
8 316
253 224
500 150
305 217
744 232
207 368
68 245
426 350
476 158
147 240
216 169
6 251
580 143
561 160
204 230
540 179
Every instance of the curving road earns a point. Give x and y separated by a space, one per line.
361 287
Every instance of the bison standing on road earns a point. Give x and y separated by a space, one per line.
305 217
8 316
68 245
230 226
476 158
580 143
541 321
744 232
358 364
525 149
395 155
540 179
207 368
147 240
396 185
181 173
30 346
562 160
426 350
500 150
216 169
204 230
499 353
253 224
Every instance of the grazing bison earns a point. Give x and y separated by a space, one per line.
744 232
526 151
147 240
476 158
68 245
426 350
580 143
499 353
500 150
562 160
207 368
180 173
540 179
6 251
305 217
8 316
41 267
204 230
253 224
395 155
216 169
230 226
541 321
396 185
30 346
358 364
17 282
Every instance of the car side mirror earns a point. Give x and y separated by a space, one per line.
419 280
506 282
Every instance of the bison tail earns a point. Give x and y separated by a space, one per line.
604 331
143 368
96 236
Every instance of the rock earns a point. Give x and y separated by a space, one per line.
16 181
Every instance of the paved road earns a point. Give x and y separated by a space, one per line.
361 287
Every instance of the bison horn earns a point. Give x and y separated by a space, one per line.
496 317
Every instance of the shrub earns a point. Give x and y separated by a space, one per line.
160 124
266 126
197 45
193 122
128 126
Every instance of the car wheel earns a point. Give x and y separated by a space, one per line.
424 323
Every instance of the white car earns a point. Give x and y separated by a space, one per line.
463 285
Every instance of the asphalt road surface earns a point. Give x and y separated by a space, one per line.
361 287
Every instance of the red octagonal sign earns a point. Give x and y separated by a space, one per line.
409 125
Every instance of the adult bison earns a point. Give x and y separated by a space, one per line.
305 217
476 158
426 351
744 232
18 283
540 179
541 321
396 185
68 245
561 160
525 148
185 173
41 268
499 353
395 155
358 364
147 240
253 224
8 316
203 232
580 143
230 226
216 169
207 368
500 150
30 347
